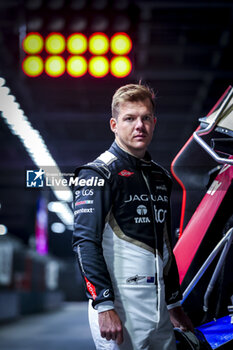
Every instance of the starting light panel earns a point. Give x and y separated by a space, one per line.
77 55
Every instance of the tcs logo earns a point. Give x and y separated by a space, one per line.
84 192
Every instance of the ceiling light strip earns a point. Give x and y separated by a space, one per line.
35 146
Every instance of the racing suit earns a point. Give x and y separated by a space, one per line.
122 239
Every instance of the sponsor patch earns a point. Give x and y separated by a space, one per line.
84 210
142 210
87 192
140 279
84 202
135 279
160 215
77 193
145 198
91 289
174 295
142 220
106 293
125 173
150 279
161 187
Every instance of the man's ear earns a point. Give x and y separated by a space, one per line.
155 120
113 125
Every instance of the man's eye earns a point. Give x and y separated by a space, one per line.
147 117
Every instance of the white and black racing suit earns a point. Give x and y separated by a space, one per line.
122 239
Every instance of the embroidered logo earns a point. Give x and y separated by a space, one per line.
91 288
142 210
106 293
125 173
174 295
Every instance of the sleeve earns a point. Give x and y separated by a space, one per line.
92 203
173 293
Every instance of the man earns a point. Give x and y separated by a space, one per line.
122 235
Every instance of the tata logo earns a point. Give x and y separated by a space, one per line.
142 210
142 220
125 173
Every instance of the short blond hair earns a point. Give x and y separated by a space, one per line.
131 93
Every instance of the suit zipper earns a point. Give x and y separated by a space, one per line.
152 207
156 244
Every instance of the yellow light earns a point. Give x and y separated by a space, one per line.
120 66
76 66
33 43
98 43
98 66
33 66
120 44
55 66
55 43
77 43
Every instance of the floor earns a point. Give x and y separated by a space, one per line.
64 329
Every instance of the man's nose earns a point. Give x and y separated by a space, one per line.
139 124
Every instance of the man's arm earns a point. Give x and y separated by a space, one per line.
91 207
111 326
180 320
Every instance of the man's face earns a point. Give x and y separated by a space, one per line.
134 126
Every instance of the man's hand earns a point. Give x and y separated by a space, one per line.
111 326
180 320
